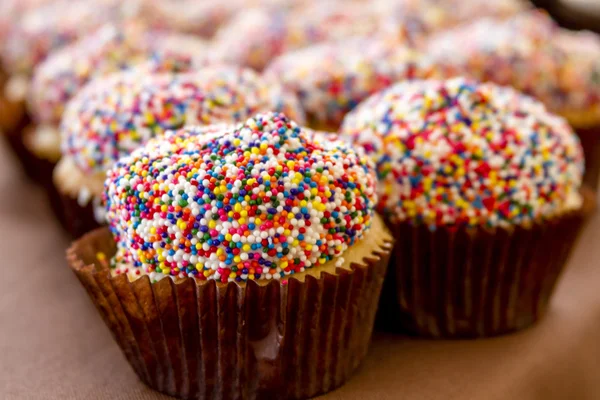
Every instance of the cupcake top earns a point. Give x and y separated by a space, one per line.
189 16
466 154
112 116
264 36
424 17
261 200
50 26
529 52
111 48
269 32
11 12
331 78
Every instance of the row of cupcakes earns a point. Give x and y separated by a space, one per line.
257 222
32 30
324 82
265 244
527 51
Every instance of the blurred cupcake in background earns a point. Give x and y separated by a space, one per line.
11 12
253 37
195 17
531 53
421 18
56 80
481 187
113 116
35 33
264 277
331 78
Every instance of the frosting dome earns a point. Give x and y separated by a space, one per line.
260 200
50 26
465 154
529 52
112 116
253 37
330 79
109 49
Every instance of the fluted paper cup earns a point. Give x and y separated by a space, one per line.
294 338
476 282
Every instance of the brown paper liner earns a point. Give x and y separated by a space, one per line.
207 340
319 125
40 170
79 219
590 141
13 120
469 283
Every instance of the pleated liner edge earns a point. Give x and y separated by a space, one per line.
590 141
226 341
79 219
476 283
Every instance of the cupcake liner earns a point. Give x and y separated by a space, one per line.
468 283
13 121
590 141
41 170
42 173
202 340
79 219
317 124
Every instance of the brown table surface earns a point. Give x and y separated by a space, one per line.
53 345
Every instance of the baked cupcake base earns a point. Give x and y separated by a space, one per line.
79 198
14 119
461 283
294 338
590 141
43 160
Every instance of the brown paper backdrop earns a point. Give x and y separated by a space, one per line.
53 345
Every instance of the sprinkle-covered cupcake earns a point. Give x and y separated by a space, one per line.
38 31
57 79
421 18
109 49
195 17
488 179
275 254
113 116
531 53
331 78
254 37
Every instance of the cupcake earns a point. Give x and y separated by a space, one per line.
56 80
201 18
331 78
39 31
481 187
112 116
531 53
269 32
420 18
274 253
11 111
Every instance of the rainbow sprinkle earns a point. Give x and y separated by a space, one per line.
114 115
109 49
465 154
261 200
